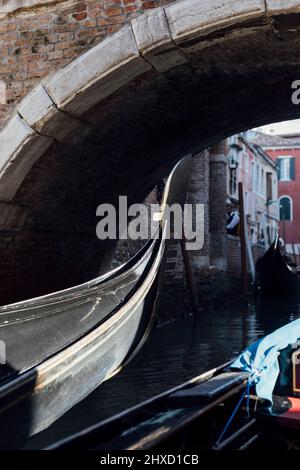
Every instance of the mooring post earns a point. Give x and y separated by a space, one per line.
191 285
243 243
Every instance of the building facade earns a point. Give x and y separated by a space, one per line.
285 153
250 164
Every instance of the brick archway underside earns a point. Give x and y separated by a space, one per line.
115 119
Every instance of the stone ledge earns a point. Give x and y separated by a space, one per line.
15 134
282 7
40 113
189 19
151 30
154 40
96 74
20 148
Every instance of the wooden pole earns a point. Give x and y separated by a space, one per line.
283 228
243 243
191 285
294 253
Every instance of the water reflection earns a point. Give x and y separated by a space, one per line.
173 354
274 313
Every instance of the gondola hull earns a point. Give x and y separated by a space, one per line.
60 347
44 393
273 274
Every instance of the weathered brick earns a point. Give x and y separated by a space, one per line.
33 58
80 16
131 8
89 24
113 10
8 36
85 33
62 45
95 13
72 26
46 48
40 33
60 20
29 25
55 55
6 27
65 36
150 4
71 53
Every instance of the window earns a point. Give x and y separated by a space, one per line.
286 208
232 182
286 168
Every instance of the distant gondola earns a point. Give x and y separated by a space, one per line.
61 346
274 275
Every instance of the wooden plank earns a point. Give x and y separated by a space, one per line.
207 390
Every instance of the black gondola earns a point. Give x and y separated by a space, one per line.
245 404
61 346
189 416
274 275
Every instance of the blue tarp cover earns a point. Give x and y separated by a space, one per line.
261 358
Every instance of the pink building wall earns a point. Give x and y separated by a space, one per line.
290 230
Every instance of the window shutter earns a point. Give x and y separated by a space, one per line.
278 168
292 168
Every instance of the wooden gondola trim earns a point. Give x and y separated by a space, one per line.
296 371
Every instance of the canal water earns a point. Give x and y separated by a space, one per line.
174 353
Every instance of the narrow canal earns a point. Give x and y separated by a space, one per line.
174 353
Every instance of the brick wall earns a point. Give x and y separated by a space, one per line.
35 43
234 262
217 206
198 193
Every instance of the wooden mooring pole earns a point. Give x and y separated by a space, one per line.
243 244
191 285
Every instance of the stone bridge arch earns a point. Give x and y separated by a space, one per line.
175 79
